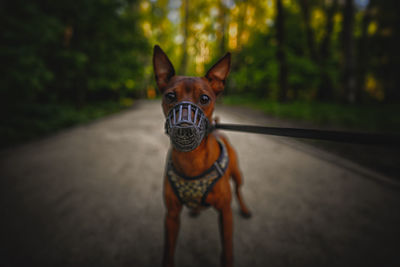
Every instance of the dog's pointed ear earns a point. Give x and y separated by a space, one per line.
218 73
163 68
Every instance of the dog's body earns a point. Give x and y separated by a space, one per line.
201 91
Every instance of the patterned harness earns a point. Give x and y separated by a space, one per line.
193 191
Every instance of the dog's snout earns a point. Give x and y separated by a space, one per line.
186 113
186 132
186 125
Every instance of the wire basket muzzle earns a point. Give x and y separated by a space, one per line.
186 125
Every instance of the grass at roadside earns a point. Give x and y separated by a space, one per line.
373 118
26 122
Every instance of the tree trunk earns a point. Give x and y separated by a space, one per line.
325 90
326 41
362 58
349 79
241 23
281 53
222 22
305 8
185 26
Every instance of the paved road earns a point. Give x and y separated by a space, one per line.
91 196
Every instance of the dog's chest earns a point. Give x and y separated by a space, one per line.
193 191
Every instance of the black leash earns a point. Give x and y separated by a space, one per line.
347 137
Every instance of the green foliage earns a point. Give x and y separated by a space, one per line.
383 55
257 73
27 34
61 57
73 53
255 69
70 51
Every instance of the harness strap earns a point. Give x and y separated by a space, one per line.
193 191
218 167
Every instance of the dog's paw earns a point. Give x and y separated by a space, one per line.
246 215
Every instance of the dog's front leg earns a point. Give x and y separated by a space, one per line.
226 228
171 235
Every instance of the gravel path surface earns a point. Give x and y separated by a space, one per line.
92 196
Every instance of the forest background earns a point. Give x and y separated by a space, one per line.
331 62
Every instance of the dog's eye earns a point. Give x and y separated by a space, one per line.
170 97
204 99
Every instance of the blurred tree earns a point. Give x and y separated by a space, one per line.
362 56
320 53
383 78
185 33
27 34
305 7
256 71
326 90
287 50
70 51
241 21
348 59
281 51
221 32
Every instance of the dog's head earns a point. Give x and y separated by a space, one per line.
201 91
183 95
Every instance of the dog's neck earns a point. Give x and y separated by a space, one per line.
195 162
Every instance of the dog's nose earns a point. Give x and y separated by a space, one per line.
186 132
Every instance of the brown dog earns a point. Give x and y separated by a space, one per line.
201 161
